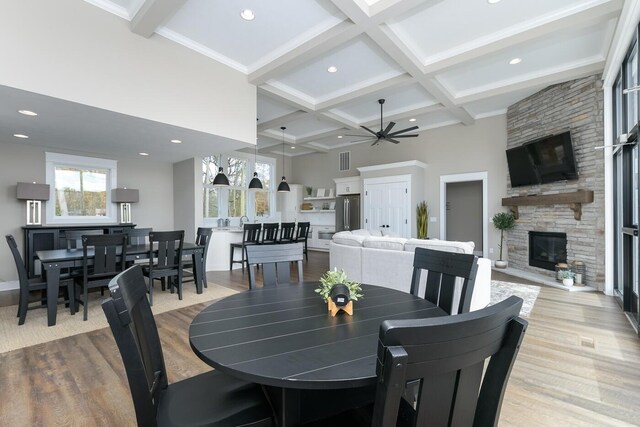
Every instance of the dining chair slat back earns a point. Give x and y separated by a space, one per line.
302 235
103 257
74 237
165 259
275 261
139 236
286 232
446 356
250 236
211 398
203 238
445 271
269 233
26 285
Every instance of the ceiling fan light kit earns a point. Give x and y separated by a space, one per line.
385 134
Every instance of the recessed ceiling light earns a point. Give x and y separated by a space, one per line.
27 113
144 154
247 15
412 120
20 135
176 141
515 61
339 136
493 1
293 147
332 69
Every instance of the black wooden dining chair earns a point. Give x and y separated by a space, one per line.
203 238
287 230
276 263
302 235
446 356
212 398
103 257
269 233
250 236
36 284
138 236
444 270
165 260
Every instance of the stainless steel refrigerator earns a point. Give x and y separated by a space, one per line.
348 212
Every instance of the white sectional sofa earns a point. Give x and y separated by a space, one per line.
368 257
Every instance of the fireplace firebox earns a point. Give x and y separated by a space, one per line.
547 249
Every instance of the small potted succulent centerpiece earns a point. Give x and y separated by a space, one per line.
503 221
567 277
338 291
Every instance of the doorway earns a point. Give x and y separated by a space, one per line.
463 209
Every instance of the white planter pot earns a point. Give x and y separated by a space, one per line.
501 264
567 282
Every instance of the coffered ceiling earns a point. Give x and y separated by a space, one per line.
436 61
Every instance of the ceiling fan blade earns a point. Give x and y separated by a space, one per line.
364 140
388 128
403 130
411 135
350 134
369 130
393 140
377 141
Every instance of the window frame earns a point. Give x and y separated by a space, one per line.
53 160
223 192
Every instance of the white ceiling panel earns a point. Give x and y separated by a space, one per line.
360 63
278 26
269 109
431 32
308 126
539 56
397 100
498 104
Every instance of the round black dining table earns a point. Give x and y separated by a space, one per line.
285 339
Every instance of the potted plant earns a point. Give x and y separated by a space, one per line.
567 277
337 281
309 190
503 221
422 219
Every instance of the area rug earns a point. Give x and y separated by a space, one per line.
35 329
503 290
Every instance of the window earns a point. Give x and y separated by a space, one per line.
80 189
236 200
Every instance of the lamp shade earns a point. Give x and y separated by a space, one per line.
32 191
221 179
283 187
125 195
255 183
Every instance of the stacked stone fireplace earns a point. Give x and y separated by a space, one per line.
576 106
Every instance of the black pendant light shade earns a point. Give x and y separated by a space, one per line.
255 182
221 179
283 187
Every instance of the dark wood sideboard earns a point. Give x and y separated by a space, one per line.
40 238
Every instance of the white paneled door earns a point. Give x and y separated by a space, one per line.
387 205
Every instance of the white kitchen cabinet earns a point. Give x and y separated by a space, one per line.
320 236
289 202
349 185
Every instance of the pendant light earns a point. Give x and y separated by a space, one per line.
283 187
255 183
220 179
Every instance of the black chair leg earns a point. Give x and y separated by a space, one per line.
22 310
232 249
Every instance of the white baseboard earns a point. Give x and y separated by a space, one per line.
9 286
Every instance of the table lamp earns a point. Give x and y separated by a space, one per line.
125 196
34 194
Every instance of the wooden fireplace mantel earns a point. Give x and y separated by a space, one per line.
575 199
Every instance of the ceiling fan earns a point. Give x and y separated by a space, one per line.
385 134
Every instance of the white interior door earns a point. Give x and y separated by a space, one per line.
386 205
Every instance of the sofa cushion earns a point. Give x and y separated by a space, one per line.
363 232
440 245
388 243
348 238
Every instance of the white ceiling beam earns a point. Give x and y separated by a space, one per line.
308 50
544 78
397 81
349 124
383 10
283 120
286 97
152 14
406 114
587 15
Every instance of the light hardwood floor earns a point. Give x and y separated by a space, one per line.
579 365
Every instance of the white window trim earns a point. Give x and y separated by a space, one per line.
56 159
222 199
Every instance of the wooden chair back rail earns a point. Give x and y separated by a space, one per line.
251 233
169 249
302 231
270 233
276 263
286 232
109 254
444 268
447 356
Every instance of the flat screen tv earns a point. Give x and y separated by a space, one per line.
545 160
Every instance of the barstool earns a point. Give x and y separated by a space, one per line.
250 236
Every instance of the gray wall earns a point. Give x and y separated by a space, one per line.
23 162
447 150
464 212
185 185
577 106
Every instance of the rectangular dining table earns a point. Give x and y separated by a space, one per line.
53 261
310 364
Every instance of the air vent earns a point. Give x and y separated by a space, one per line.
345 161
